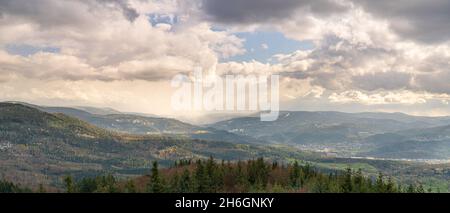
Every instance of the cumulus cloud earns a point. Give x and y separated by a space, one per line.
383 80
361 70
365 52
130 13
96 42
260 11
425 21
53 13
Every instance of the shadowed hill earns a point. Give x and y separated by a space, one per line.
39 147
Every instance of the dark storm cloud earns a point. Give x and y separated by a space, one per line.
421 20
45 12
49 13
257 11
426 21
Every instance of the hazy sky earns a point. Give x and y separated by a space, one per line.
347 55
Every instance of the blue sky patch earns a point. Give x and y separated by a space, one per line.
27 50
156 18
261 46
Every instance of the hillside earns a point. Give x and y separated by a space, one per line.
39 147
427 143
310 127
384 135
211 176
143 125
357 123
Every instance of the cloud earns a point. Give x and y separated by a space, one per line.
130 13
262 11
54 13
424 21
264 46
95 42
361 70
341 64
436 82
418 20
365 52
46 13
383 80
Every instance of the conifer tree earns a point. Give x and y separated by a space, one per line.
379 185
200 182
130 187
185 182
295 175
359 184
411 189
155 185
41 189
347 185
390 186
69 185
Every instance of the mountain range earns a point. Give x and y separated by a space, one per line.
43 143
384 135
39 147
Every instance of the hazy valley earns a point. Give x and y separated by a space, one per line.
39 145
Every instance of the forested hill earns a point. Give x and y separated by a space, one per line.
211 176
39 148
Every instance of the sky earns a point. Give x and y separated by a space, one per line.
345 55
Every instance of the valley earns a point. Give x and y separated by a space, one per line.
40 145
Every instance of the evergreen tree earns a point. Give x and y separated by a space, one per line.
379 185
242 179
211 178
347 185
130 187
250 176
411 189
390 186
420 189
359 184
295 175
87 185
41 189
200 178
69 185
185 182
110 184
155 184
174 183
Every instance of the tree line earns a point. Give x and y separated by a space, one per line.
9 187
211 176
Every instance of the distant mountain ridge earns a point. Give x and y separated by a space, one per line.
392 135
40 147
367 134
295 124
142 125
43 144
426 143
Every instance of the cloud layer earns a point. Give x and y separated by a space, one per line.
424 21
263 11
365 52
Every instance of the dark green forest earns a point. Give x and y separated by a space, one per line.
211 176
9 187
